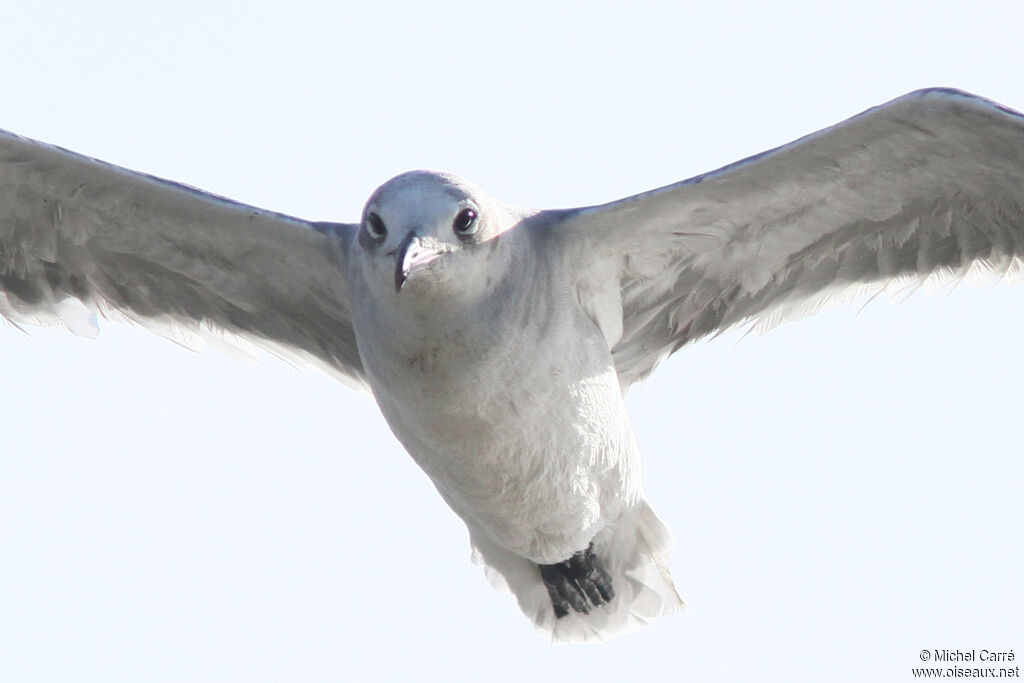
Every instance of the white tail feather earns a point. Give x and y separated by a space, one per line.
634 552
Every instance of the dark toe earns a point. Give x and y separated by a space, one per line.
561 590
591 576
560 604
577 583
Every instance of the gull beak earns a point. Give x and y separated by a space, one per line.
411 255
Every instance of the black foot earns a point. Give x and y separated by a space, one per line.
579 582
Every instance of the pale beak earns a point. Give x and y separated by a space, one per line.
410 256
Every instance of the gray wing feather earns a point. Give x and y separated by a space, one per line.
930 185
168 256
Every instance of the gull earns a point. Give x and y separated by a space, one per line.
499 341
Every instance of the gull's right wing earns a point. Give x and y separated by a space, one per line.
167 256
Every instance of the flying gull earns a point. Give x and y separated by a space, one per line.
499 341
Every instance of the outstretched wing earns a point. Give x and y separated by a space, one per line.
167 256
928 186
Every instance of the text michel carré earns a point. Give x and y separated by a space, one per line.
972 656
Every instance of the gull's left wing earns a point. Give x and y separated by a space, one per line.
928 186
167 256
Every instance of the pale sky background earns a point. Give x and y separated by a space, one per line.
845 491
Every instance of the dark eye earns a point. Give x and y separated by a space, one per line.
375 226
465 223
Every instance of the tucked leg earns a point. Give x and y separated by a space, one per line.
578 583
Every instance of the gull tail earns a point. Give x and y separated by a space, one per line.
634 552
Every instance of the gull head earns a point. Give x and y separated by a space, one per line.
429 232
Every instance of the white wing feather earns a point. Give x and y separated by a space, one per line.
186 264
919 191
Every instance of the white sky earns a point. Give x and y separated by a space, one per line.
845 491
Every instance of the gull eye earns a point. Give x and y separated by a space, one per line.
375 227
465 223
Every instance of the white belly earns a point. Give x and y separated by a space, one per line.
530 445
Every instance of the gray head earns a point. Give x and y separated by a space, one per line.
430 232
